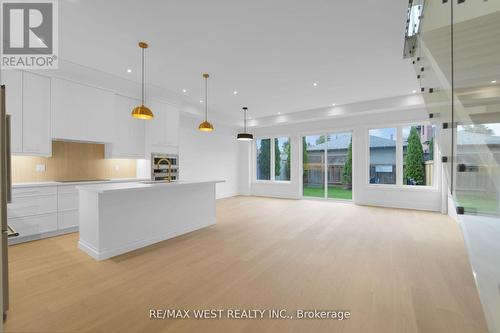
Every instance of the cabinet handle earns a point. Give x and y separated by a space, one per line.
12 232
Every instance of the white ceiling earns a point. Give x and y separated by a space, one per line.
270 51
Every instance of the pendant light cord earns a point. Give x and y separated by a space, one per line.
245 122
206 98
142 78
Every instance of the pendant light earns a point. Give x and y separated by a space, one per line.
206 126
142 112
244 136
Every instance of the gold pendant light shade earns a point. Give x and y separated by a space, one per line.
206 126
141 111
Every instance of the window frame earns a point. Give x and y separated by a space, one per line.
436 177
273 167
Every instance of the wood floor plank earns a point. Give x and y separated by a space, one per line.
394 270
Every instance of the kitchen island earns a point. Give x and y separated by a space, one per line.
118 218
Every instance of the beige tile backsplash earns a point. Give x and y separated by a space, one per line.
71 161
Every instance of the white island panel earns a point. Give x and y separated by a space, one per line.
118 218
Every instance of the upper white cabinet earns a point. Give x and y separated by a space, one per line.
163 129
13 81
128 133
36 115
81 112
28 103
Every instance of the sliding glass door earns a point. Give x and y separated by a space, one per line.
313 163
339 159
327 166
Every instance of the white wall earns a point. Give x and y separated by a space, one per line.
209 155
363 193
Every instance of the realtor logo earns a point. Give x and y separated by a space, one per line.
29 34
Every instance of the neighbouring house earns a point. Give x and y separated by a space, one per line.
382 158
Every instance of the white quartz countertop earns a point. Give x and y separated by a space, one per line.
56 183
110 187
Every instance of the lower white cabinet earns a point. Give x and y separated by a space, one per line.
67 219
43 211
34 225
33 211
67 207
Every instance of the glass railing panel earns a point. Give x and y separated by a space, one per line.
433 66
477 108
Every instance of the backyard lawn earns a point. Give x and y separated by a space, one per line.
333 192
483 205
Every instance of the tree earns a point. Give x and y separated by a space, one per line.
347 173
304 156
277 158
478 128
414 159
286 148
264 159
322 139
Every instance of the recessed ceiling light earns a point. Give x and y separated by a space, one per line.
315 84
201 101
333 104
279 112
235 92
129 70
494 81
184 90
414 91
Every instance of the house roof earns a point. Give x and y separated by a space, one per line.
473 138
341 141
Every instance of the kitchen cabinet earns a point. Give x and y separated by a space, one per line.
36 115
67 207
28 103
128 133
40 211
33 211
163 129
13 81
81 112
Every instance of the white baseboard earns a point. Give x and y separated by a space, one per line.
24 239
108 253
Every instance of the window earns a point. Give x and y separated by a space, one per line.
383 155
418 155
263 159
282 158
402 155
273 159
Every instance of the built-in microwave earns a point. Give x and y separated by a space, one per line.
164 167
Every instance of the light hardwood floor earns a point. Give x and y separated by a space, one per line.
395 270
